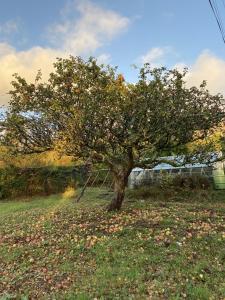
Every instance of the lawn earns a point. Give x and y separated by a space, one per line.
52 248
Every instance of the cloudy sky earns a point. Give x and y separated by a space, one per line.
174 33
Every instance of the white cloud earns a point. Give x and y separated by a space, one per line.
180 66
210 68
207 66
155 56
104 58
95 27
9 27
78 36
25 63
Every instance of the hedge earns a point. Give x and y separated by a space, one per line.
26 182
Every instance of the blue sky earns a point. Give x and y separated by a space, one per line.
174 33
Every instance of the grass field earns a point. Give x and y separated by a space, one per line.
51 248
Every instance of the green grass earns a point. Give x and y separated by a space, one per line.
52 248
19 206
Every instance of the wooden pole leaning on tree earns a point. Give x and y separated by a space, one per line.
105 179
95 179
77 199
83 189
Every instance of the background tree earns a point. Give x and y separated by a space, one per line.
87 110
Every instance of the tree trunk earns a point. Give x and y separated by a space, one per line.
120 183
121 173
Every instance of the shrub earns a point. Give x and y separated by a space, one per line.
191 182
17 182
172 194
165 181
141 192
175 188
144 192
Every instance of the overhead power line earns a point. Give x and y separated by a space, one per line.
223 3
216 13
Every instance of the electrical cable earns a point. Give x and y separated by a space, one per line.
215 10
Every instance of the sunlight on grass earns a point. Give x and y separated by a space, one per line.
69 193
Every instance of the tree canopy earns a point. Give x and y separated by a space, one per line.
89 110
